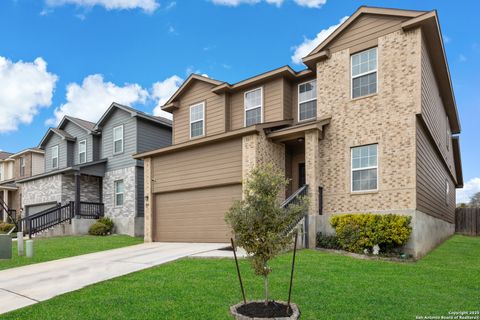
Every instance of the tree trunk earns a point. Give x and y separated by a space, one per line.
266 289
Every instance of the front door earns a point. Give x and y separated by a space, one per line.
301 175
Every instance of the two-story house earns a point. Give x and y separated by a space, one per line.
14 167
370 126
88 162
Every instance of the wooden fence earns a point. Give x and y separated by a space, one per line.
467 221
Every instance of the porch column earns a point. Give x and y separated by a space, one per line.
77 194
312 174
149 210
5 199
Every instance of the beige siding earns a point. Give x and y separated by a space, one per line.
37 164
287 100
364 32
272 104
432 177
433 110
214 111
206 166
195 215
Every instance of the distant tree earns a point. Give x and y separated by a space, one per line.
475 200
462 205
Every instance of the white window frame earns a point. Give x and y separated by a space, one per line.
449 135
247 109
84 142
361 169
118 193
299 102
22 166
362 74
203 119
115 140
55 148
447 191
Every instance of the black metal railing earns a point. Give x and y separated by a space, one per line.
295 198
58 214
11 213
91 210
47 219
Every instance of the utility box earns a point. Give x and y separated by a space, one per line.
5 246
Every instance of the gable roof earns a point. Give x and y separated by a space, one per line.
31 150
61 133
317 52
134 113
84 124
169 105
4 155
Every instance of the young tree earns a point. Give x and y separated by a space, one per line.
259 221
475 200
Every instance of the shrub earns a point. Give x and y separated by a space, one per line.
357 232
6 227
98 229
108 222
327 242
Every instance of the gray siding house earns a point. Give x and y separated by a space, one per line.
89 162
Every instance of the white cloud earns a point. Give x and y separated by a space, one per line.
446 39
308 45
146 5
162 91
25 87
90 99
311 3
469 189
462 58
235 3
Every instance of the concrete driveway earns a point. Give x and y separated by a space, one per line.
23 286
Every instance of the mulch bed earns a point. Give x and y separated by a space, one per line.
260 310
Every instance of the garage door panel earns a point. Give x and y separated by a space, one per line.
195 215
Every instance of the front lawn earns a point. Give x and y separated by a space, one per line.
327 286
62 247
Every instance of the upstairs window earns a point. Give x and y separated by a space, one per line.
119 187
364 168
364 73
82 151
55 157
447 191
22 166
307 100
197 120
253 101
118 139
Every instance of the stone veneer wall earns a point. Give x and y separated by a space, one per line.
257 149
387 118
124 217
48 189
60 188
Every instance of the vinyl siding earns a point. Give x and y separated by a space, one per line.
364 32
151 136
433 111
432 177
62 152
210 165
37 163
80 134
214 111
273 103
124 159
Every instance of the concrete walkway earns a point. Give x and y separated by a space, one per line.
23 286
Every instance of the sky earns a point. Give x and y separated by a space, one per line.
75 57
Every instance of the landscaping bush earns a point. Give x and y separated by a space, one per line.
360 232
6 227
327 242
99 229
108 222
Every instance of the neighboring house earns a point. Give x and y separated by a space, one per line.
368 126
91 163
14 167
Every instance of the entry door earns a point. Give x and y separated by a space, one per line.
301 175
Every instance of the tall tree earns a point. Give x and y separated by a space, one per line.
475 200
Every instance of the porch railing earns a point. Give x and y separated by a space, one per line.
47 219
92 210
295 198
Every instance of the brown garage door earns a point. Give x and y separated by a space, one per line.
195 215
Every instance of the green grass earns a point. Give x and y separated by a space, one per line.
327 286
62 247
